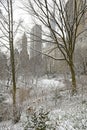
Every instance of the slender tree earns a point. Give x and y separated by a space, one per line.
7 40
10 25
63 20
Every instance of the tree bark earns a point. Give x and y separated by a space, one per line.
12 60
73 77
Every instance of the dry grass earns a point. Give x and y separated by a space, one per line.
22 94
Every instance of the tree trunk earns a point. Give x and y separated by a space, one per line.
73 76
12 60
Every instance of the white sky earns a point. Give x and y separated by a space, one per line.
19 13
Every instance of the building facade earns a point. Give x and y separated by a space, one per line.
36 41
24 56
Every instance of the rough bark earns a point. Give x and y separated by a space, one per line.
73 77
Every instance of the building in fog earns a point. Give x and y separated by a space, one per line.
52 20
52 65
24 56
36 41
35 61
70 14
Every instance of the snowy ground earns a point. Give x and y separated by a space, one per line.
54 95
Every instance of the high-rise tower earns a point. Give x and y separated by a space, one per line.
24 43
72 8
36 41
52 19
24 57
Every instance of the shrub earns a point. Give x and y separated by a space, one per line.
37 121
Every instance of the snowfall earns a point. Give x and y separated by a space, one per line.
53 94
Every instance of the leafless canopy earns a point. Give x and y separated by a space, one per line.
55 16
63 20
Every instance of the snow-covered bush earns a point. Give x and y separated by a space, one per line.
37 120
61 120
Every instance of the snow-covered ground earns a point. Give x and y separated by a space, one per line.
66 112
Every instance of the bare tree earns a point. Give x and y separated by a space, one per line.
63 23
7 40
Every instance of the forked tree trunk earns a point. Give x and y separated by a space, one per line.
73 77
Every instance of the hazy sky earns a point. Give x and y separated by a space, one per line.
19 13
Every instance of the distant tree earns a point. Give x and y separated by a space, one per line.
63 23
81 60
3 65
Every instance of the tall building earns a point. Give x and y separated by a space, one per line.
24 57
52 19
24 43
36 41
73 8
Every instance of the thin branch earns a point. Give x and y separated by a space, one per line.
61 59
